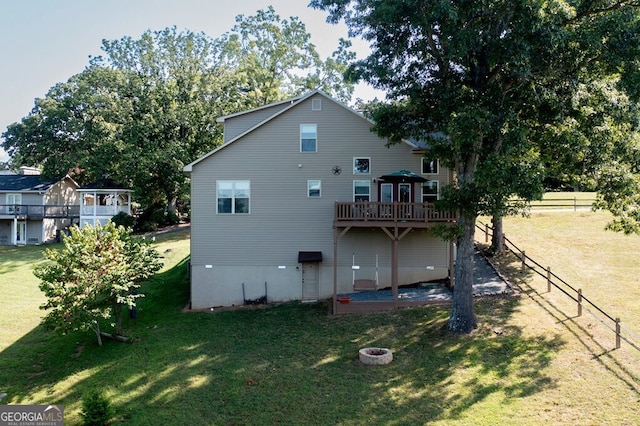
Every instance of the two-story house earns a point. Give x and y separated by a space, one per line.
303 202
34 210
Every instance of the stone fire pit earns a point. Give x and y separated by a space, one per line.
375 356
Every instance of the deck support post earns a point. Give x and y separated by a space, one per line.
394 268
335 270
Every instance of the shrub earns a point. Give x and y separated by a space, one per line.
125 220
96 409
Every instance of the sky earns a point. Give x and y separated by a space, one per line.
44 42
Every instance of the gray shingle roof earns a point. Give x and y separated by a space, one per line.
21 183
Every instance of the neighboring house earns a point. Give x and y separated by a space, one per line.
34 210
101 201
303 201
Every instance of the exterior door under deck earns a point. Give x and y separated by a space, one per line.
310 281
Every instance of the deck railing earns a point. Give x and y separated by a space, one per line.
366 211
39 212
104 210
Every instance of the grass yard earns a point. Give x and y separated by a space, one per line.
294 364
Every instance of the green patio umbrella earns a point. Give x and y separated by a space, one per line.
402 176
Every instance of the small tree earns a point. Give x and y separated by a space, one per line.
96 409
98 271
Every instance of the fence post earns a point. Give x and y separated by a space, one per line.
486 233
579 302
548 279
575 204
524 260
617 333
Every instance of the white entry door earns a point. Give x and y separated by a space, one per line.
310 281
21 233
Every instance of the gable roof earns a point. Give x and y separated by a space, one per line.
24 183
104 184
292 103
293 100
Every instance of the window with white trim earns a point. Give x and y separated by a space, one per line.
361 190
308 138
13 202
361 165
430 167
314 188
430 191
233 196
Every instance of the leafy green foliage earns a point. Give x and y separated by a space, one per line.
123 219
94 275
483 81
148 107
274 59
96 409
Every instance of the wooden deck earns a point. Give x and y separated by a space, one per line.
402 215
22 211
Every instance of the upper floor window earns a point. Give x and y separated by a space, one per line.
308 138
13 202
233 196
361 190
14 199
314 188
430 167
430 191
361 166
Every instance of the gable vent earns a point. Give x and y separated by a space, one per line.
316 105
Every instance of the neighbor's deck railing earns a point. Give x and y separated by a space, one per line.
39 212
366 211
104 210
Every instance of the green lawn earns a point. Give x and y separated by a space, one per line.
294 364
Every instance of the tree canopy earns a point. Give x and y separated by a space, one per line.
486 83
148 106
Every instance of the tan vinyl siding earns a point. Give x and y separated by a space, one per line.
283 220
235 126
62 193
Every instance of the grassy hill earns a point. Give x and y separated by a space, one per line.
526 364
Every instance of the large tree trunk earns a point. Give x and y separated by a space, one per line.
463 318
96 329
172 205
117 313
497 238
